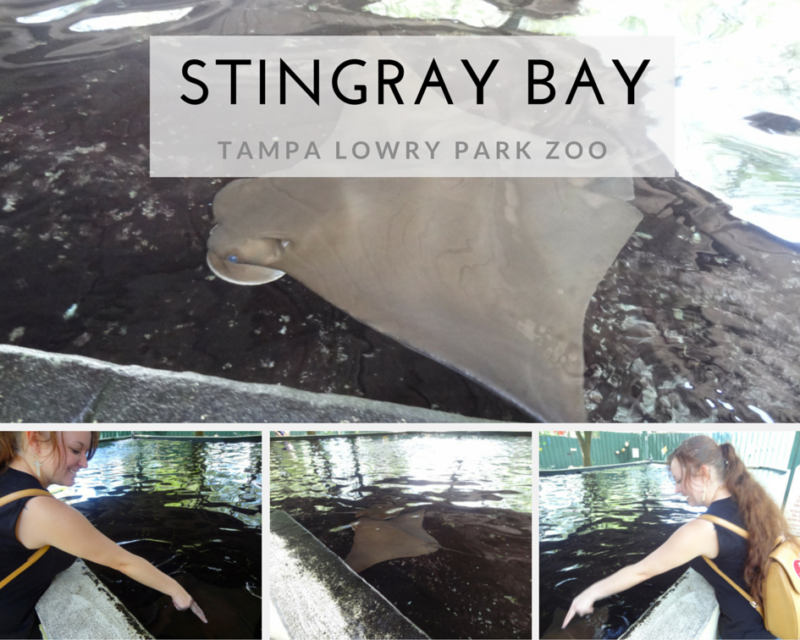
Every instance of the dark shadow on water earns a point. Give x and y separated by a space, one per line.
215 556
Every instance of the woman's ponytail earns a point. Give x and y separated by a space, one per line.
735 471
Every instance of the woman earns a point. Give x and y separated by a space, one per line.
712 476
35 460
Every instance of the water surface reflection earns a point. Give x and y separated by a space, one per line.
428 465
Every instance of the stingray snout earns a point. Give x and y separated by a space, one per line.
244 260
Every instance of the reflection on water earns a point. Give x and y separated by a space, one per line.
733 60
475 13
592 524
193 510
474 495
216 476
467 470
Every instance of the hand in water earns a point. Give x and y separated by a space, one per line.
184 601
582 605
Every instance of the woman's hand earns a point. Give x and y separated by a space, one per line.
582 605
183 601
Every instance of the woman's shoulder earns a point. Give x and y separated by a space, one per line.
12 480
727 509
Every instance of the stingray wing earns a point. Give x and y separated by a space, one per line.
490 277
381 540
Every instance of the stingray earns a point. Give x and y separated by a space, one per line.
229 614
590 626
381 540
491 277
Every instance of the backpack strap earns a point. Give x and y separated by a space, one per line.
738 530
724 523
11 497
743 593
729 525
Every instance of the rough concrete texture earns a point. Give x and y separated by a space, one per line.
78 606
687 611
276 629
318 596
36 386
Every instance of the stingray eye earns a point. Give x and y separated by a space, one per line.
232 258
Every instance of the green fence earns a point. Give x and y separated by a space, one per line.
114 435
562 452
755 448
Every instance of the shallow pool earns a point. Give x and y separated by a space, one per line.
476 491
692 323
592 524
192 509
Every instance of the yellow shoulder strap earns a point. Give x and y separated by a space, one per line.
736 529
724 523
743 593
40 552
23 494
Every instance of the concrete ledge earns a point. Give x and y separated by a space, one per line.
602 467
77 606
687 611
317 596
380 434
36 386
257 438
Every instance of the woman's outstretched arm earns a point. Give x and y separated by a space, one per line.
693 539
45 521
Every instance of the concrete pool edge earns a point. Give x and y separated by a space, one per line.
602 467
316 595
227 439
688 610
380 434
78 606
641 463
37 386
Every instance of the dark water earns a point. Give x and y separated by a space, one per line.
193 510
696 320
84 227
592 524
476 491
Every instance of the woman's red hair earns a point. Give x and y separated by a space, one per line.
11 443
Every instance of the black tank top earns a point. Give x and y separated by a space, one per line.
19 597
737 619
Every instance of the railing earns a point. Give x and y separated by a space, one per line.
755 448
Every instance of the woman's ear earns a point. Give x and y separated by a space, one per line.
34 440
